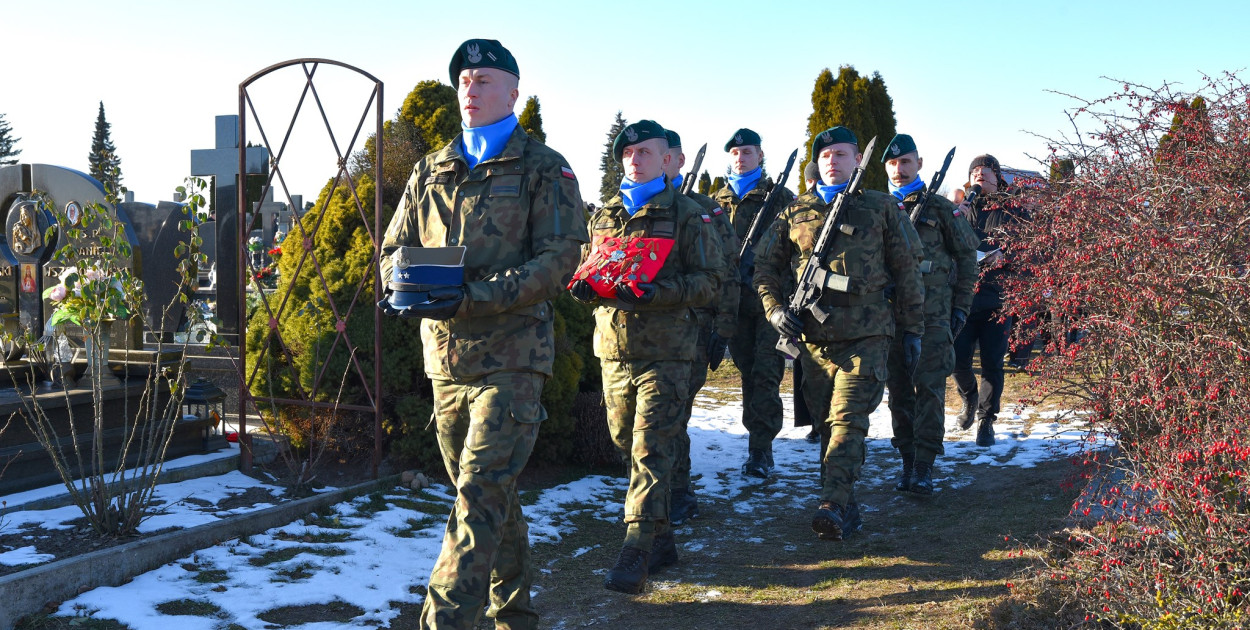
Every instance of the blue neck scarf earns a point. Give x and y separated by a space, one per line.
635 195
902 191
677 181
745 183
483 143
827 193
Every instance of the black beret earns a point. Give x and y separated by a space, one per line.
481 53
901 145
811 171
742 138
831 136
635 133
674 140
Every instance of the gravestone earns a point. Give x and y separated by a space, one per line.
222 164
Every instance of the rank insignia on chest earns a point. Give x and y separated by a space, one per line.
627 261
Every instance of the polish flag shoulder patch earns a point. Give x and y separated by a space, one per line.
706 218
567 172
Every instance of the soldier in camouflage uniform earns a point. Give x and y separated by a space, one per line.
515 206
716 327
753 344
949 269
875 247
646 343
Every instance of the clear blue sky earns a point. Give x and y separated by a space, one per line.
970 74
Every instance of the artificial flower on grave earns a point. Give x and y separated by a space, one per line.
254 244
91 295
628 261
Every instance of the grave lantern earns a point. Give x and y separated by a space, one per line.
204 402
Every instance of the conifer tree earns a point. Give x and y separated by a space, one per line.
705 184
612 170
861 104
8 155
433 108
717 184
104 165
531 119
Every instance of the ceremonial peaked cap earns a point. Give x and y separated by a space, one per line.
481 53
674 140
831 136
901 145
742 138
635 133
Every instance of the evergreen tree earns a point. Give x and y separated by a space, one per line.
1061 169
531 119
105 166
612 170
861 104
705 184
717 184
402 146
8 155
434 109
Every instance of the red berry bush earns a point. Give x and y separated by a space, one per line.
1135 272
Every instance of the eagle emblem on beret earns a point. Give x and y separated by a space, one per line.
824 136
894 149
630 134
474 52
738 138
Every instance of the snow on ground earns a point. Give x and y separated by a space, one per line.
392 548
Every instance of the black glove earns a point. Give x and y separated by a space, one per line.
385 304
786 322
582 291
958 319
625 294
716 350
443 302
911 352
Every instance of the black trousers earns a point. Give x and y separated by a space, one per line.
985 331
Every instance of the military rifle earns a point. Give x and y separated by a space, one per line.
746 257
688 185
814 277
934 184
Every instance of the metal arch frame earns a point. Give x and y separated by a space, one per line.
245 268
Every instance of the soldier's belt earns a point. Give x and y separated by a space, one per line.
853 299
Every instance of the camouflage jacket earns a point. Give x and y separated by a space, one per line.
741 212
667 328
949 267
882 248
722 314
519 215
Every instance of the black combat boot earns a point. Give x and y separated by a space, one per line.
833 522
757 464
663 552
922 480
630 573
985 432
684 506
905 481
968 412
768 459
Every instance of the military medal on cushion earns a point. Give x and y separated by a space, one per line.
616 261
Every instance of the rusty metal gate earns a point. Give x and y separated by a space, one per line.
274 306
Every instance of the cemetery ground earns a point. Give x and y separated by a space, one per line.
748 560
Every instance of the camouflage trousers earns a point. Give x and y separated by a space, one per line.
681 442
645 401
843 384
918 403
486 431
754 351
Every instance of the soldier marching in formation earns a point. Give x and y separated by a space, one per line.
752 346
514 205
949 268
646 333
896 277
